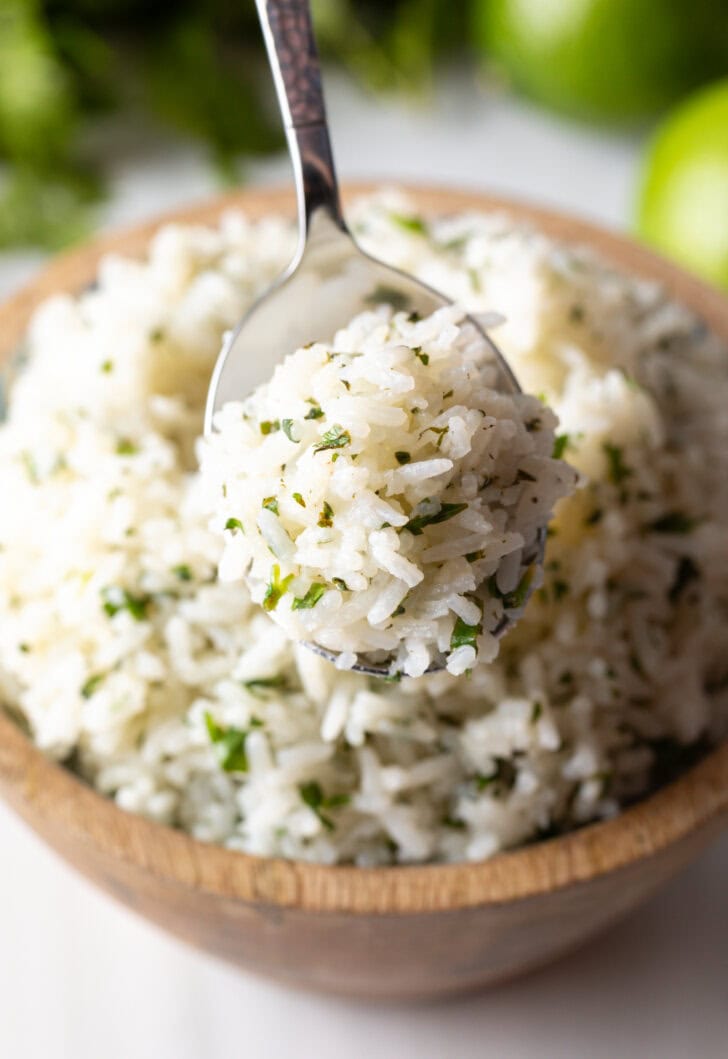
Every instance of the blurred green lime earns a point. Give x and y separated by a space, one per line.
605 60
683 201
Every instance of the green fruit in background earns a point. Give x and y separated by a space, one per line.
605 60
683 200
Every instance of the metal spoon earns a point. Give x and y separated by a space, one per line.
330 279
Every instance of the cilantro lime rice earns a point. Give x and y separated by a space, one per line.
170 690
382 496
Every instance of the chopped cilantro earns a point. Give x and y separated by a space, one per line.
402 457
316 412
686 572
276 588
269 426
313 796
287 427
335 438
257 684
440 431
617 469
311 598
536 712
464 635
410 223
327 516
270 503
513 600
234 524
674 522
230 743
340 584
424 358
92 685
503 777
125 447
107 367
388 296
115 599
561 443
182 572
447 511
299 499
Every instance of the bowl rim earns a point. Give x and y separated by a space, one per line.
64 808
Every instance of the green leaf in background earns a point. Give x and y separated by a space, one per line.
45 211
37 109
208 91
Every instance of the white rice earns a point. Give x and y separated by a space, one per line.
382 498
177 696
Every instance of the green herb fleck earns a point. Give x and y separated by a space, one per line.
182 572
335 438
287 427
271 504
276 588
596 516
115 599
125 447
314 413
513 600
686 572
269 426
440 431
447 511
617 469
465 635
424 358
299 499
230 743
536 712
402 457
234 525
561 443
311 598
674 522
92 685
326 518
313 796
410 223
340 584
107 367
258 684
388 296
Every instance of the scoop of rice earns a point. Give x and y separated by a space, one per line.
382 497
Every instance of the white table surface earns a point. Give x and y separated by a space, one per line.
82 978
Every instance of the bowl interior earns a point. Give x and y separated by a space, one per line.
65 810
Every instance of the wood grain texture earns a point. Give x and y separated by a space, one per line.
391 932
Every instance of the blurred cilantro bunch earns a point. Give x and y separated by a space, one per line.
197 66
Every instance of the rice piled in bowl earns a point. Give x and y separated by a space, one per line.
383 497
177 696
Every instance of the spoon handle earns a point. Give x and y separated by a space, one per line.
289 38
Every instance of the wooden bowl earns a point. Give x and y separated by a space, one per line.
386 932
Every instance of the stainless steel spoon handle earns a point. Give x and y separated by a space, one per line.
289 38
